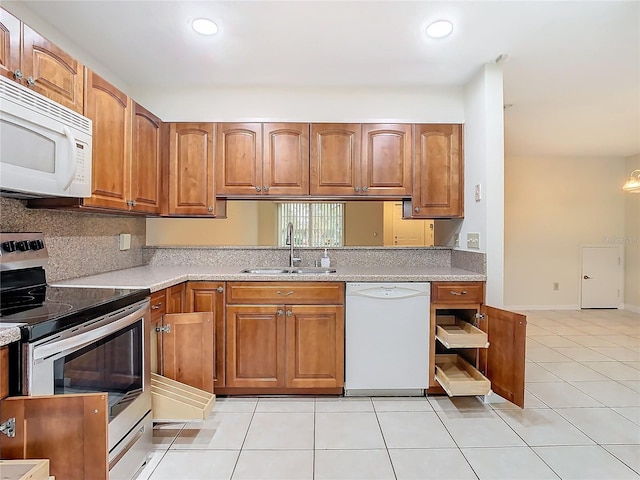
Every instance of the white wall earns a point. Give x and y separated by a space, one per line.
552 207
632 242
484 166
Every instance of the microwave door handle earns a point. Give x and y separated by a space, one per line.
65 183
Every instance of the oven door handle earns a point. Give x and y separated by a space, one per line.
75 342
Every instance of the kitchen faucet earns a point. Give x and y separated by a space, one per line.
292 259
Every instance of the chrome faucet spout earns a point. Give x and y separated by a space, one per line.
289 241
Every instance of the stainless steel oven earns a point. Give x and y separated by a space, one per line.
106 354
80 340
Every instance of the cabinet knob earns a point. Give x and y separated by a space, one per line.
417 209
289 313
134 203
258 189
17 74
210 208
364 189
266 188
220 289
31 81
278 312
357 189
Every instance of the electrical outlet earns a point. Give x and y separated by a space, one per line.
125 241
456 239
556 286
473 240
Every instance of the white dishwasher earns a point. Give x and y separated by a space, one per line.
387 338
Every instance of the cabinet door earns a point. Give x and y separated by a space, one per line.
175 299
438 172
70 430
187 344
191 179
110 111
335 158
285 163
386 160
10 48
503 362
4 371
56 74
209 297
315 346
145 161
158 308
239 159
255 346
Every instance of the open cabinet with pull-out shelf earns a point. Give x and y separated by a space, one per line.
181 358
477 349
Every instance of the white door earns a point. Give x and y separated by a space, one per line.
600 278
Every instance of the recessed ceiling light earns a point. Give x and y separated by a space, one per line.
440 29
204 26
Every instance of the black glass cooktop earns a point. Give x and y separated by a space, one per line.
45 310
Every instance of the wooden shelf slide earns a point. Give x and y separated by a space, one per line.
175 401
455 333
458 377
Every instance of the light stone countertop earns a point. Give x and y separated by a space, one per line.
159 277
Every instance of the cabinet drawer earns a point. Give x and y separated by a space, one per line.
158 305
455 333
458 292
290 293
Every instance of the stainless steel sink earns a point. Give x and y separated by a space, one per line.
316 270
266 271
287 270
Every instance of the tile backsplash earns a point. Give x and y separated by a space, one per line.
79 244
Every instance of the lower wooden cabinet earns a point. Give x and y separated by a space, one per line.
476 348
184 342
279 347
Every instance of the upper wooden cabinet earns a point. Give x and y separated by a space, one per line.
262 159
35 62
10 46
110 111
438 179
145 161
361 159
191 175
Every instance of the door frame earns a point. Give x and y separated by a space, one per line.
620 249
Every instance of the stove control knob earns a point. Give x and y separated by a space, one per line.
23 245
9 246
36 244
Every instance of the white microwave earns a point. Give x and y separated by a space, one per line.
45 148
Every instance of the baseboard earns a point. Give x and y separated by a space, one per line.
541 307
632 308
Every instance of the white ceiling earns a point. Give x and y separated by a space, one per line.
573 73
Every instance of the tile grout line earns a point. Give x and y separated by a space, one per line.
235 465
375 412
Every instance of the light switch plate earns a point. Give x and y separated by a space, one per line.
478 192
473 240
125 241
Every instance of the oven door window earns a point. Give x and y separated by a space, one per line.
113 365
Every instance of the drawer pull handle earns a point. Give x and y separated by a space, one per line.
464 292
285 294
156 306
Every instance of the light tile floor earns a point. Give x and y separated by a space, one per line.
581 421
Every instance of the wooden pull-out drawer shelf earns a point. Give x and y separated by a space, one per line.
289 293
457 292
174 401
455 333
24 469
459 378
